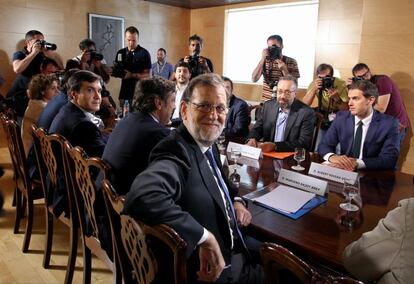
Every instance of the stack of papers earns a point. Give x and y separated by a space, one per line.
285 198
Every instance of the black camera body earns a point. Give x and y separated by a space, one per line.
327 82
274 52
193 62
47 45
356 79
118 70
95 55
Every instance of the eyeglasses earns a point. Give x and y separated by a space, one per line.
363 76
207 108
285 92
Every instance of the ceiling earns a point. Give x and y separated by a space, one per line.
196 4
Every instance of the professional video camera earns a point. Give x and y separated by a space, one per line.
95 55
118 70
327 83
47 45
274 52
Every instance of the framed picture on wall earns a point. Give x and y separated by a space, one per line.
108 34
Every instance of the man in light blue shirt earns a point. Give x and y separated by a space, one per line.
162 68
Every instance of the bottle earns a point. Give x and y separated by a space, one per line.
126 109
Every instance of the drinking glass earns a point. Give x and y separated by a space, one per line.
235 179
235 154
220 141
299 157
118 113
351 190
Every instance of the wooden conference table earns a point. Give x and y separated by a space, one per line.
321 235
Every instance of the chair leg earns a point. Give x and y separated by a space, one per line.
18 196
48 239
70 269
14 197
29 225
87 263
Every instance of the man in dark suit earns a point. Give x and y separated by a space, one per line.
238 117
184 186
368 138
132 140
286 123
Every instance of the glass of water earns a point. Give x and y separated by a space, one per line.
235 154
299 157
351 190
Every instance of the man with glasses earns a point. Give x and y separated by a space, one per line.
286 123
185 187
389 101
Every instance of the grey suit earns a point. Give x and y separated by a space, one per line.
299 126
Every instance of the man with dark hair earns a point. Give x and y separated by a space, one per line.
274 65
162 68
182 79
132 64
198 64
238 117
368 138
286 123
132 140
185 187
389 101
26 63
49 66
331 94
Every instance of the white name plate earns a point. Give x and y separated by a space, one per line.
245 150
301 181
331 173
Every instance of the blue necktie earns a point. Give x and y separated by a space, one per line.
223 187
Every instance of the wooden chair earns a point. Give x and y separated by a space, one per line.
277 258
134 243
83 172
51 165
27 190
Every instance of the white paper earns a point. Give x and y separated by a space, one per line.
245 150
285 198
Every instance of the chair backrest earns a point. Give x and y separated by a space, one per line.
277 259
318 122
140 263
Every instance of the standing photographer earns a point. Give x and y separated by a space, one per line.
198 64
331 93
132 64
26 63
274 65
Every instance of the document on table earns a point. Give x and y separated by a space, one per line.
285 198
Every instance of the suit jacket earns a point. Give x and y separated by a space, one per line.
129 147
51 110
381 145
179 189
385 254
238 118
299 128
72 123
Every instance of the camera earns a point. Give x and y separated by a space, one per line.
327 83
274 52
47 45
118 70
356 79
193 62
95 55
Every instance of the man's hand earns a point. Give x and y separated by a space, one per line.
267 146
187 58
252 142
318 83
282 66
265 53
343 162
211 260
333 93
243 215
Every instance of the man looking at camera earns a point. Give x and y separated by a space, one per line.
198 64
274 65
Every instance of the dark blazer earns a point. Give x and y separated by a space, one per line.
238 118
51 110
179 189
73 124
129 147
381 145
299 128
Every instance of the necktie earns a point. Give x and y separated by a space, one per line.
356 147
229 204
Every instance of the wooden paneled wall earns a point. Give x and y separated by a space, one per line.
66 24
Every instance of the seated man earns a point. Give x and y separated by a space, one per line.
132 140
385 254
286 123
238 117
76 120
185 187
368 138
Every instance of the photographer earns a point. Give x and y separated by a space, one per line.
389 101
198 64
132 64
274 65
26 63
331 94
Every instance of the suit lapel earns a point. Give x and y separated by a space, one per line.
349 134
273 113
371 131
